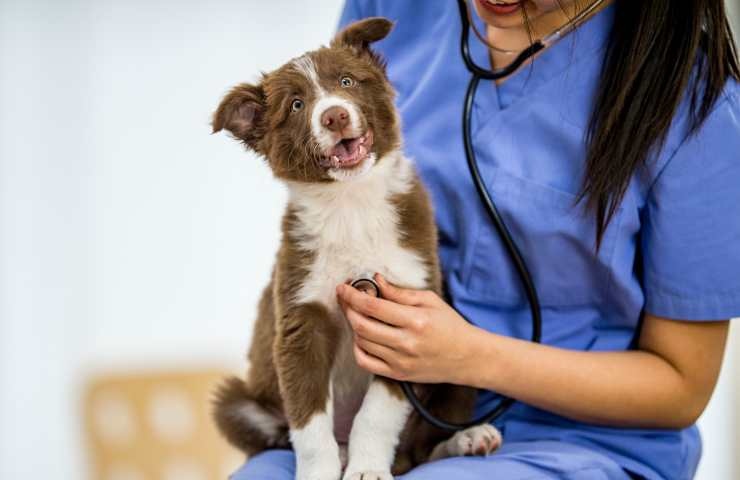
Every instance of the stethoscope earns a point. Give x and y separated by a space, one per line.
479 73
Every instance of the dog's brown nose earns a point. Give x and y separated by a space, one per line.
335 118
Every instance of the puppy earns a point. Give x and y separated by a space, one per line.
326 124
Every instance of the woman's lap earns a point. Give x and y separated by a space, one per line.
513 461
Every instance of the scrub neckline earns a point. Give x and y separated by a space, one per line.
580 44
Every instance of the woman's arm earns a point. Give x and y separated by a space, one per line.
665 384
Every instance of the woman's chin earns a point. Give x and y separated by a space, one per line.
516 18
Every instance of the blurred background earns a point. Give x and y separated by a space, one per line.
133 244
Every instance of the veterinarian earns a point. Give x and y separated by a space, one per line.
614 157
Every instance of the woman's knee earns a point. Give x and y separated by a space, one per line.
268 465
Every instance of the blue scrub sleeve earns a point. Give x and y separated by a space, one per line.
691 229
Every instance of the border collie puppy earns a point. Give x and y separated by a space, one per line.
326 124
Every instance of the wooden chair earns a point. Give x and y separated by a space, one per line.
155 426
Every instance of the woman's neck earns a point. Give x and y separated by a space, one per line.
513 40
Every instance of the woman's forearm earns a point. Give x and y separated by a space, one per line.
629 388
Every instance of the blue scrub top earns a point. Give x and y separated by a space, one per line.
680 213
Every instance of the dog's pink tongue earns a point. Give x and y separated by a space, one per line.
340 150
343 154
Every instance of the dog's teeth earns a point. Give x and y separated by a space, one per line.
334 158
362 150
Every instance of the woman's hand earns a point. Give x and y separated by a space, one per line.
410 335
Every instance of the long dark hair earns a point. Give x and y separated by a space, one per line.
659 52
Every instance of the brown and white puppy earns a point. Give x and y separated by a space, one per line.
327 125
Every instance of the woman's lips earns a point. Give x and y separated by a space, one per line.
500 8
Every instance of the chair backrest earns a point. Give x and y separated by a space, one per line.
155 426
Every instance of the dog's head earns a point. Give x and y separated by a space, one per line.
325 116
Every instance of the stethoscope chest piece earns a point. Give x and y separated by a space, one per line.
367 285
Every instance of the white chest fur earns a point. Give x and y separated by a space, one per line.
352 228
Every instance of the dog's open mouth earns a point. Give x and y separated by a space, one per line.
348 152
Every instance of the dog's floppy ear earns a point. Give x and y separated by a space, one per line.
242 112
361 34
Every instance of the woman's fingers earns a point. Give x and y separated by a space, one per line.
370 363
388 311
395 364
378 350
372 329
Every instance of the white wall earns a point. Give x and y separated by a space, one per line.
128 235
733 6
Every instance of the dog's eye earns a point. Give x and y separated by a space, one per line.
296 105
347 82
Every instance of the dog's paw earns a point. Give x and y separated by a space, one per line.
478 440
368 476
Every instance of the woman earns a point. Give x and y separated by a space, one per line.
615 159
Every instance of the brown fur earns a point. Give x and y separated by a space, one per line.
294 345
418 230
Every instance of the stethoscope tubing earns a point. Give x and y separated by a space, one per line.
484 73
477 74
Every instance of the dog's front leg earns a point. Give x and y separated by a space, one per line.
304 348
376 430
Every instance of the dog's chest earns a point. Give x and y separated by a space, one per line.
351 231
352 234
